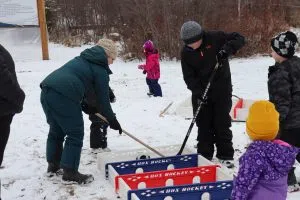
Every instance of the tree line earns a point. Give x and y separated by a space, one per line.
76 22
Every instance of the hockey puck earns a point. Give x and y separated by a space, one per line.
142 157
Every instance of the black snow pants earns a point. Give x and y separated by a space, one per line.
5 122
291 136
214 124
98 133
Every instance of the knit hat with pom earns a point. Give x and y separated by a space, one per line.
148 46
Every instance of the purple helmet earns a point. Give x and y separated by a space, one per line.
148 46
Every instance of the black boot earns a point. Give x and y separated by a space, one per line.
150 94
71 175
53 169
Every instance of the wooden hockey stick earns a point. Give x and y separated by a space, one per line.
164 110
232 120
133 137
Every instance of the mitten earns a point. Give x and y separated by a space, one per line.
141 66
221 56
114 124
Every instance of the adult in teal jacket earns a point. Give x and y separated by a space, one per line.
62 93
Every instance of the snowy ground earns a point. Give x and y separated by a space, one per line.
24 163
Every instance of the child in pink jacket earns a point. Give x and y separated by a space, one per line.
152 69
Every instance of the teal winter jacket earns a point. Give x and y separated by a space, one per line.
84 73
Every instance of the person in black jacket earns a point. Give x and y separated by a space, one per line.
284 92
98 128
11 97
202 50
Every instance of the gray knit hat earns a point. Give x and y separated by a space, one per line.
191 32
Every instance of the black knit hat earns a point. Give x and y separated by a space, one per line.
284 44
191 32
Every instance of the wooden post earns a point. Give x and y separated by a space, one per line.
43 28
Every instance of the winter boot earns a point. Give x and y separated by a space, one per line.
227 163
71 175
293 188
53 169
100 150
150 94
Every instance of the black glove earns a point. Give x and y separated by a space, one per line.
112 97
88 109
144 71
221 56
114 124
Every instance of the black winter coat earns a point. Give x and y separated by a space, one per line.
284 91
11 95
197 65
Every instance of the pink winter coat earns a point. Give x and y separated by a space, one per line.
152 66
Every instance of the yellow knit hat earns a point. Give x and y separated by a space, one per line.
109 46
263 121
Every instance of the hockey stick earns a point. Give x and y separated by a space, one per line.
199 108
236 96
236 120
232 120
133 137
164 110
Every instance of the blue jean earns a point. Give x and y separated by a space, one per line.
154 87
64 117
